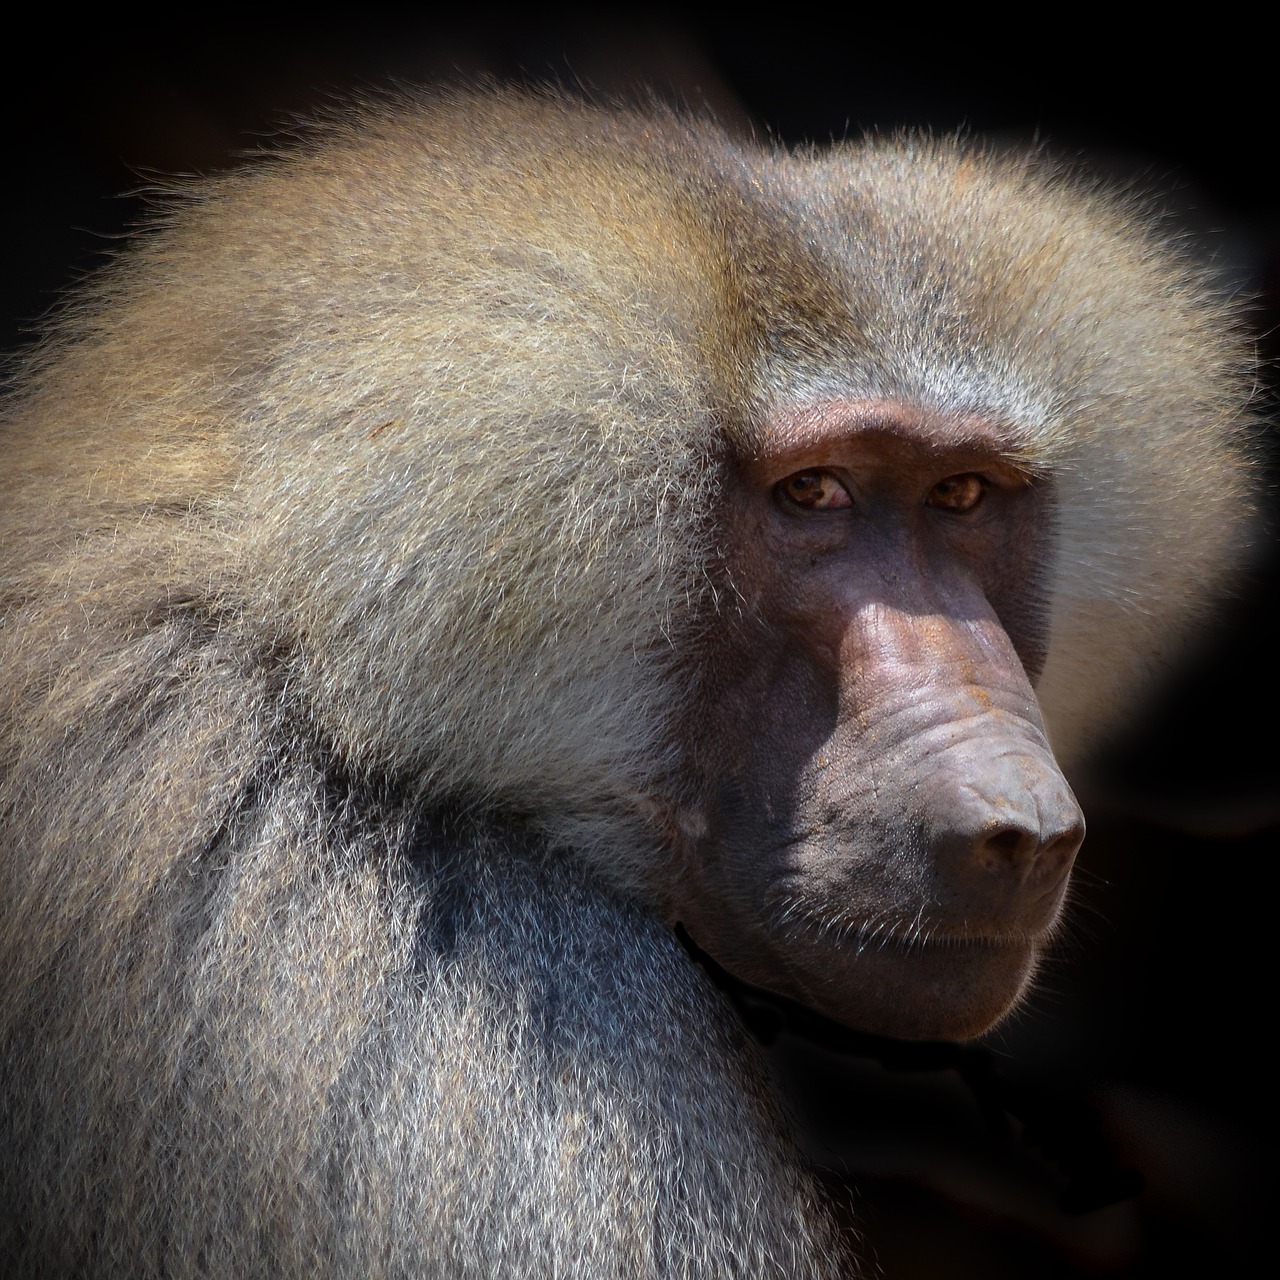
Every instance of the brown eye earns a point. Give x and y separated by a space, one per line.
815 491
957 493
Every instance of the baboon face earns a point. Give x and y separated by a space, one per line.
884 833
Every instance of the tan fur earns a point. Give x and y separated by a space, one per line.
355 536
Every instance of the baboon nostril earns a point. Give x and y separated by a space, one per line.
1016 844
1064 847
1011 844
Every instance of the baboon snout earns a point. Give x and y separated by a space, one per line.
1005 836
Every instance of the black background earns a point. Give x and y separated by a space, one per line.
1144 1048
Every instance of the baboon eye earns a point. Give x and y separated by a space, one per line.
815 490
958 493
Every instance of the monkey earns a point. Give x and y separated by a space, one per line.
446 559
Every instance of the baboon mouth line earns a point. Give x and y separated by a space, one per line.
918 941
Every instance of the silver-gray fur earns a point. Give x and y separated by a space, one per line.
354 557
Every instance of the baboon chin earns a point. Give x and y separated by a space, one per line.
444 558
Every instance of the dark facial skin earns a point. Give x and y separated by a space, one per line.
884 834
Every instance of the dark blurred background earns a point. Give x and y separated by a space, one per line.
1141 1060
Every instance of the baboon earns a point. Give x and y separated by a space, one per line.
450 554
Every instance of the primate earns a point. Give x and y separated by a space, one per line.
448 556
